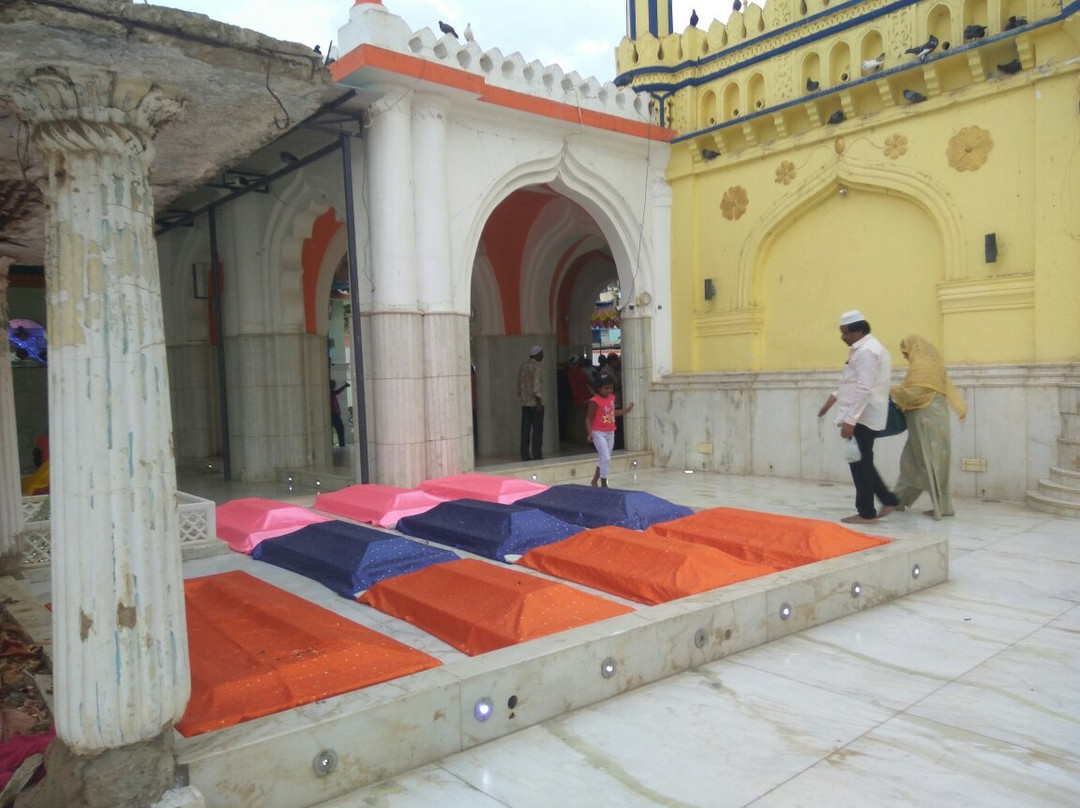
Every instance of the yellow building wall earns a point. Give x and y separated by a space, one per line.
796 220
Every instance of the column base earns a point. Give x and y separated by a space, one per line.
10 563
137 776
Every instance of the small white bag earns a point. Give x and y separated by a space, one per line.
851 451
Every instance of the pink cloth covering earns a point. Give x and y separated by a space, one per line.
243 523
380 505
486 487
14 751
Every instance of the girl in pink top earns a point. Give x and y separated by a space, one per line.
600 426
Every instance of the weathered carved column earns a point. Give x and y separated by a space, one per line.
120 639
447 384
11 515
397 337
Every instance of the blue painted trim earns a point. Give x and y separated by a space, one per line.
1067 11
670 16
631 15
654 22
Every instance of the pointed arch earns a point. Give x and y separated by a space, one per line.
918 188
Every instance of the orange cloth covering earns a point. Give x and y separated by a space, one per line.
256 649
767 538
640 566
478 607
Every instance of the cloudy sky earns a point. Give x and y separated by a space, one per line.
575 34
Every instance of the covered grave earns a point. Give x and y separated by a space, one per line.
477 606
487 528
256 650
598 507
381 505
779 541
244 523
348 558
641 566
486 487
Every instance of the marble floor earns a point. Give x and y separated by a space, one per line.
964 694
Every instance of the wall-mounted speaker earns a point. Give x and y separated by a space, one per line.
990 242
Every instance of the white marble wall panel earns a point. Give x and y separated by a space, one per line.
195 403
448 390
1013 423
775 434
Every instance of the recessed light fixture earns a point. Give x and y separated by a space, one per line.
785 611
483 709
607 668
916 571
325 762
856 589
688 471
700 638
534 478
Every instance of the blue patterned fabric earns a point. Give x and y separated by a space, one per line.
598 507
487 529
348 558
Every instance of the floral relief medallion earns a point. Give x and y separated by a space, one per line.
785 172
895 146
734 203
969 148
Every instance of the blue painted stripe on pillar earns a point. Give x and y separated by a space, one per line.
654 22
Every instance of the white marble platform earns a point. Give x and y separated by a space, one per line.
387 729
962 694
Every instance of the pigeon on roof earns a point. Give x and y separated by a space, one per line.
1015 66
447 28
693 17
836 117
468 33
913 97
974 32
811 85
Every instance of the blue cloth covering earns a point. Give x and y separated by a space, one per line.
598 507
487 529
348 558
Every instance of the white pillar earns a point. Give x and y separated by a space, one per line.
11 514
120 638
447 381
397 337
636 376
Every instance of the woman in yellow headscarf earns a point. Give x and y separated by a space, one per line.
924 397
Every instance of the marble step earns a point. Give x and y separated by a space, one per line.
1039 501
1064 493
1065 477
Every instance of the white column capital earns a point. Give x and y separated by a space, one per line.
90 109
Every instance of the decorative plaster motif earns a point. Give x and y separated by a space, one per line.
839 145
734 203
785 172
969 148
895 146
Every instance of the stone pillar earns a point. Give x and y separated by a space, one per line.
447 382
11 514
121 662
636 377
397 337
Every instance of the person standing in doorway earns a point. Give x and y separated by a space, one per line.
531 392
335 412
863 396
600 426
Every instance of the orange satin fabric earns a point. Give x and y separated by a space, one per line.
477 606
256 649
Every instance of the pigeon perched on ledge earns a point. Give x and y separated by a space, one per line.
836 117
447 28
925 49
913 97
811 85
1015 22
873 65
1009 68
693 18
974 32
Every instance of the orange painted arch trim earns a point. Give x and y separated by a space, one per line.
376 58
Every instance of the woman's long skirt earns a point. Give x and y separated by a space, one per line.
924 462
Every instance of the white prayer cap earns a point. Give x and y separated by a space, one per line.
849 317
535 350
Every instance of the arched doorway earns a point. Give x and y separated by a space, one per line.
541 265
